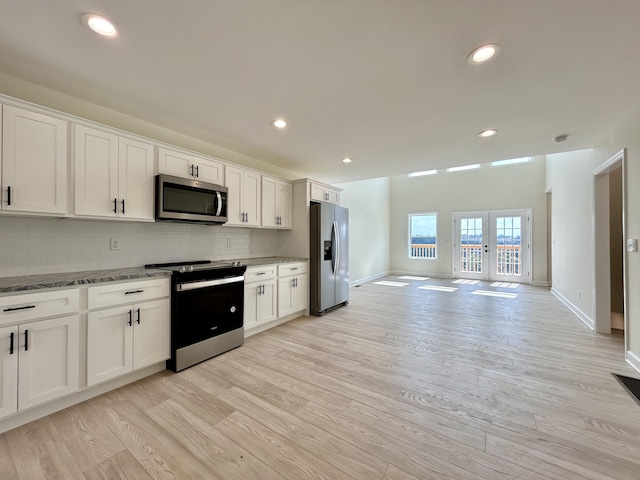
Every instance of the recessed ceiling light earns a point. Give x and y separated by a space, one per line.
488 133
483 53
279 123
99 24
346 160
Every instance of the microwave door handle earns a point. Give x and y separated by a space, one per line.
219 211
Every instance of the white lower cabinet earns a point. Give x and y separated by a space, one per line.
292 288
126 337
39 362
260 303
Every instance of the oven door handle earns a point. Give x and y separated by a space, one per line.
183 287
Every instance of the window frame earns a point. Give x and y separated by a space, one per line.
410 256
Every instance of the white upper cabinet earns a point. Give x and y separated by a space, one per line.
320 192
243 199
34 162
276 203
185 165
113 175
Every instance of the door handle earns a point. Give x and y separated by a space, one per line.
197 171
123 206
8 195
192 170
130 318
138 316
115 205
11 344
26 340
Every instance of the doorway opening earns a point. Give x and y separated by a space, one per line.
609 200
492 246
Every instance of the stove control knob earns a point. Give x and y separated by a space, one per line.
182 269
190 268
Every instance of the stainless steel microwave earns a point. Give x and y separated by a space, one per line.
182 200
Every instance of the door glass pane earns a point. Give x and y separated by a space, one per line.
471 245
509 245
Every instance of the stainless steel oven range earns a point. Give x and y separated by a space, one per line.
207 307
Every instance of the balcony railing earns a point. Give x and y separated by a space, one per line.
508 260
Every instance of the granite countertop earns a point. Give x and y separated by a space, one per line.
69 279
253 262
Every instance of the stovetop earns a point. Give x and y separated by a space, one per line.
194 266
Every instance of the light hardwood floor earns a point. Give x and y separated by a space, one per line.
402 384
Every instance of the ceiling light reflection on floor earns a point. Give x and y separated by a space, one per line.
466 282
411 277
494 294
505 285
438 288
392 284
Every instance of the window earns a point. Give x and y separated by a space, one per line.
512 161
422 235
423 173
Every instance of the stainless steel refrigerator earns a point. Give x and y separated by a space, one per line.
329 262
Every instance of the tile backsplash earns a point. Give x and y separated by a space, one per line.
35 245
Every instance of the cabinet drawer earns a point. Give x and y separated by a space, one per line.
130 292
257 274
287 269
29 306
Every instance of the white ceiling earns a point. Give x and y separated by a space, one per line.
385 82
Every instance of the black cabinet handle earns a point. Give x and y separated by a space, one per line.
11 344
26 340
8 195
15 309
115 205
133 291
138 316
123 206
130 318
261 273
192 170
197 171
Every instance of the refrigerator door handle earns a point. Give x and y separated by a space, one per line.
336 243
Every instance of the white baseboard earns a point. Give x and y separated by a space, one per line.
274 323
360 281
540 283
423 274
633 360
24 417
577 312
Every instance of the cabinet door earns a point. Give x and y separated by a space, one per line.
333 196
174 163
34 162
268 306
251 198
269 202
285 194
233 180
109 343
318 193
49 358
209 171
152 330
8 371
96 169
299 294
135 182
251 298
285 293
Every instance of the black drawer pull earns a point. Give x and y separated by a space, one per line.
15 309
294 268
261 273
133 291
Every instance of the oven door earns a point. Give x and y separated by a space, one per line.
205 309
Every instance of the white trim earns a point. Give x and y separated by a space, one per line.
274 323
540 283
26 416
576 311
360 281
633 360
424 274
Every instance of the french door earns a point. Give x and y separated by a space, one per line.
492 246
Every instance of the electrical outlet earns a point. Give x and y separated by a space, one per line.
579 294
114 244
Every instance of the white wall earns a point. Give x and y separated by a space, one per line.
34 245
569 178
368 202
519 186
